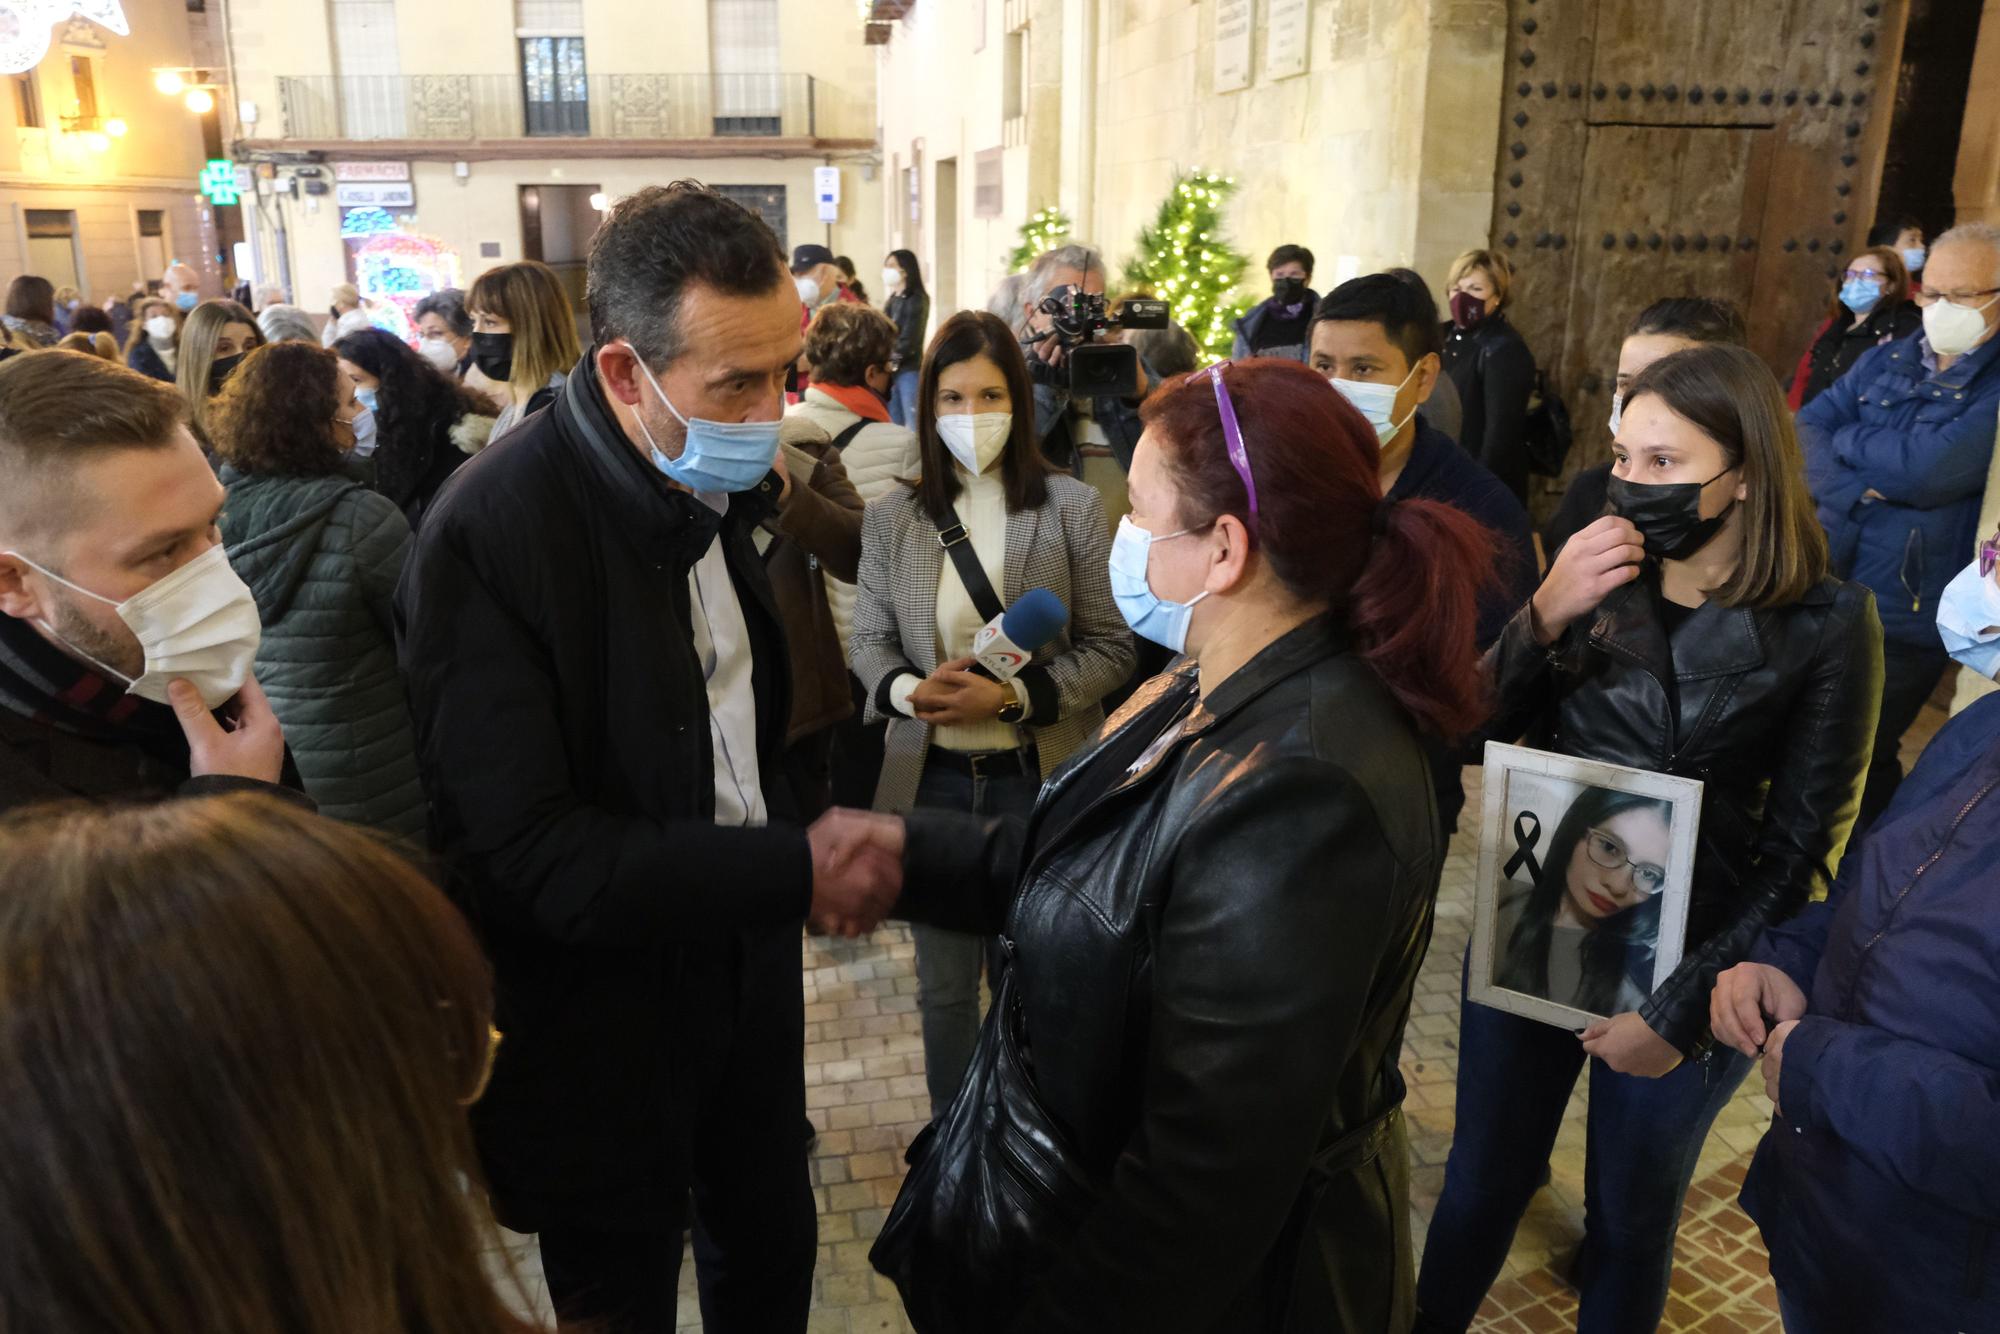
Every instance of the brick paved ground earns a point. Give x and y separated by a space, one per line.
864 1077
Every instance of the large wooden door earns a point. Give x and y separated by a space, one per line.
1654 148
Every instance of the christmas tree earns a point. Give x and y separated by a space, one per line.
1183 260
1041 233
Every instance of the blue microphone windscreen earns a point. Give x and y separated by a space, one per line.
1036 617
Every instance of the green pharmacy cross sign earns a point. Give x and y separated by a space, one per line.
218 181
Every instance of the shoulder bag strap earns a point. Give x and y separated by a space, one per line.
958 544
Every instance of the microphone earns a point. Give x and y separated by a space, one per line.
1005 643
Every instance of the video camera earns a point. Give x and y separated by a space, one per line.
1079 319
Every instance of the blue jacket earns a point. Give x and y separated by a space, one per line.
1878 1191
1923 443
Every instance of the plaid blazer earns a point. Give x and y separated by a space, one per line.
1064 547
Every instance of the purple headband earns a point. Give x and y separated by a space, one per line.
1232 435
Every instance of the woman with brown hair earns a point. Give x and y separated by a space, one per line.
1184 1112
523 336
1872 306
240 1041
217 335
31 311
1695 630
986 520
322 554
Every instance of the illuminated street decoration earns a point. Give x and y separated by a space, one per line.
26 25
218 181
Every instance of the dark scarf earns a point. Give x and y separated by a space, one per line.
41 683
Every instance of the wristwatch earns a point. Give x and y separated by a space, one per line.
1013 711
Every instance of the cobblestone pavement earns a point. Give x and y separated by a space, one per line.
865 1092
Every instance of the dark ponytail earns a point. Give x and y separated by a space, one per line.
1406 577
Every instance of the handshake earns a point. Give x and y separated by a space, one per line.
857 864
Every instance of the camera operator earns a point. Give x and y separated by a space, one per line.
1092 438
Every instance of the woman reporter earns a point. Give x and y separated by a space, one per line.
1693 631
1216 914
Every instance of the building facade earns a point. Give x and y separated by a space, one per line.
1363 129
411 144
98 172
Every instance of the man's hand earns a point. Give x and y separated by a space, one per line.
1597 560
1774 1061
953 696
246 743
1627 1044
1743 996
857 870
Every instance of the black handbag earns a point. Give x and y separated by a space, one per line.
993 1195
1547 432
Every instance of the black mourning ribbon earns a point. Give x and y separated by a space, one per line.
1527 833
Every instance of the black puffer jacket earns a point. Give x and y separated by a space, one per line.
1494 372
1774 710
1215 956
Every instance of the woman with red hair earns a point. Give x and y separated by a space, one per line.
1183 1111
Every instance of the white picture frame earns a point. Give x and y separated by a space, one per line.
1535 950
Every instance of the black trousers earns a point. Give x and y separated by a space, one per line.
756 1233
1909 675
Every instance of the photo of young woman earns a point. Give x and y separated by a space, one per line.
1585 933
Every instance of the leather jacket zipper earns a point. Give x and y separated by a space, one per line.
1854 977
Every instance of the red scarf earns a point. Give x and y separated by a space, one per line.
858 399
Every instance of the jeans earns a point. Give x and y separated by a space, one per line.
903 399
1909 674
948 961
1514 1079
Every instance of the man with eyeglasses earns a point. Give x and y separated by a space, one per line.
1897 453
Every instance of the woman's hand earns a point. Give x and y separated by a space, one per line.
953 696
1743 996
1627 1044
1597 560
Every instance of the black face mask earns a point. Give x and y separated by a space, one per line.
1668 516
221 369
1288 291
493 353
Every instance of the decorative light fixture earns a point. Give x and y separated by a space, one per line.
115 127
25 27
170 82
200 101
599 202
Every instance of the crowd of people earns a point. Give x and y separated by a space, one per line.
418 763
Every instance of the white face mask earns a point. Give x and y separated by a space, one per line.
199 623
892 278
160 327
808 290
1954 330
439 354
1376 402
975 439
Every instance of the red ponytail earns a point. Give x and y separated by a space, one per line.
1407 582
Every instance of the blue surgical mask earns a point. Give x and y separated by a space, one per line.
1150 615
362 423
1376 402
1913 259
366 397
718 457
1860 294
187 300
1968 621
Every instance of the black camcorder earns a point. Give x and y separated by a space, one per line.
1078 319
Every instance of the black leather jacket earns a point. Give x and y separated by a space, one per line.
1774 710
1215 956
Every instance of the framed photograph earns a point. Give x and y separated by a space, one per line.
1582 898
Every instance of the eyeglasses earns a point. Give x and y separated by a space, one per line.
1232 435
1927 297
1864 275
1609 853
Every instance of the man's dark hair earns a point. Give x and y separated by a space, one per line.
90 319
654 244
1886 230
1406 312
448 304
1700 319
1291 254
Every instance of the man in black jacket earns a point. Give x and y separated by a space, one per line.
107 671
600 685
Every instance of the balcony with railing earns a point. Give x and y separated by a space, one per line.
558 104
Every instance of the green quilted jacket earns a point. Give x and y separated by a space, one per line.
322 555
